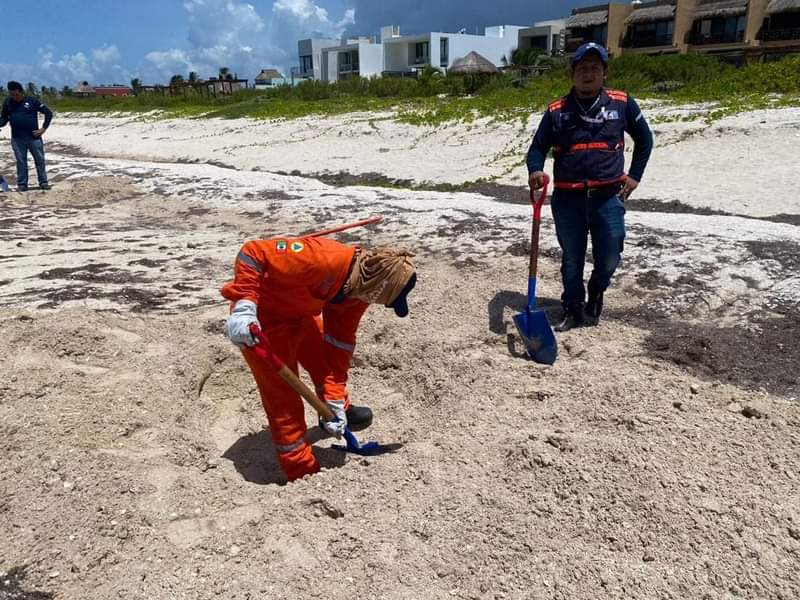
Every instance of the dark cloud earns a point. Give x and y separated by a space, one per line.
417 16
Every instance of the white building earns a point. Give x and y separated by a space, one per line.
310 57
395 54
410 53
354 57
547 36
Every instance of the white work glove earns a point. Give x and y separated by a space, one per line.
335 428
237 327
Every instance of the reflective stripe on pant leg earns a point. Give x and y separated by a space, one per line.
284 407
340 322
311 353
297 459
339 344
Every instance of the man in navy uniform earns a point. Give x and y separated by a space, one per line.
26 136
586 132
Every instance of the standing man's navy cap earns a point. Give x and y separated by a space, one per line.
581 53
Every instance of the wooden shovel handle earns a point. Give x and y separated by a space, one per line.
264 351
340 228
533 265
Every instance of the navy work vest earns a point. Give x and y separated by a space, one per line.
589 149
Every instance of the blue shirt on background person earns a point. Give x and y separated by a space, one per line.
23 116
23 113
586 132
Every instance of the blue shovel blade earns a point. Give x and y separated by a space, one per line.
356 447
537 335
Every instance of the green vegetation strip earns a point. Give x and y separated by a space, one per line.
434 99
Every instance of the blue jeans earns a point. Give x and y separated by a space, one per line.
576 217
21 148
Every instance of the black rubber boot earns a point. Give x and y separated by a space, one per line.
358 418
594 308
572 317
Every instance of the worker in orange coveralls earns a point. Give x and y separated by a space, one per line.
308 295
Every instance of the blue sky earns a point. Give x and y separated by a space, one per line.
59 42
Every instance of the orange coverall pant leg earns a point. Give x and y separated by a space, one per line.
311 352
327 347
284 407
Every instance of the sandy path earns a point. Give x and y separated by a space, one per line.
741 164
658 457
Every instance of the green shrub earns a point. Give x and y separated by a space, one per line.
434 98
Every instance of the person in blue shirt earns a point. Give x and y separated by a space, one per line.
586 132
26 136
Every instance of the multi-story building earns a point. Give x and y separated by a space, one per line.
547 36
780 32
603 24
396 54
734 28
309 52
354 57
404 54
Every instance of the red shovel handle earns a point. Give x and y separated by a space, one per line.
533 263
340 228
537 204
264 351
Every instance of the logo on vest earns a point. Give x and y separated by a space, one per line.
280 247
609 115
297 247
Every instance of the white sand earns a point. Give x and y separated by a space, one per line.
658 457
741 164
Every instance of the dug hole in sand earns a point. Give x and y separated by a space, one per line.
658 458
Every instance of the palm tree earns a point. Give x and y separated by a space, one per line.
66 91
176 81
136 85
224 73
193 76
31 88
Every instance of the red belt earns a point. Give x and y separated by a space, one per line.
583 185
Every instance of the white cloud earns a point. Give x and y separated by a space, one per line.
99 65
228 23
232 33
349 18
220 33
172 61
304 10
106 54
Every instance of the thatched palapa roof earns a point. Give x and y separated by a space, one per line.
720 8
83 88
269 74
650 14
471 64
587 19
779 6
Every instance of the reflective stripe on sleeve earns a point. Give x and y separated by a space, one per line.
337 344
249 261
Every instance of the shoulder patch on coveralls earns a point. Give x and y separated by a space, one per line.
297 247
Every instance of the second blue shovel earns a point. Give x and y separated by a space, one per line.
532 325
